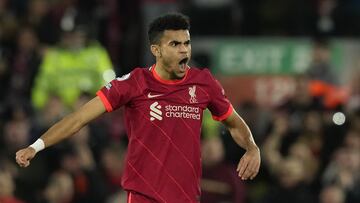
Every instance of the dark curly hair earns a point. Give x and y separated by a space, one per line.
171 21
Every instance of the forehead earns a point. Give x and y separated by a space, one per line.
175 35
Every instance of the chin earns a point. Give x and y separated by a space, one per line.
177 76
180 75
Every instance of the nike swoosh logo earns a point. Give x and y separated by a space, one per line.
153 95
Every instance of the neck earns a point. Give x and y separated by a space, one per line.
160 69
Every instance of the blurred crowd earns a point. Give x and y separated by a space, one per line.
55 54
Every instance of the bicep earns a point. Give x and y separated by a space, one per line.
91 110
232 120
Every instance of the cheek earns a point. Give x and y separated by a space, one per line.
168 55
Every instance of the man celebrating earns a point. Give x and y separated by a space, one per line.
163 113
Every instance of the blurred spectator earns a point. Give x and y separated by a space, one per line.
332 194
7 186
52 112
290 187
312 134
17 130
355 120
282 144
324 83
17 133
60 188
325 23
299 103
354 90
352 139
303 153
78 65
276 140
38 15
320 68
8 23
220 182
24 63
77 159
112 162
343 170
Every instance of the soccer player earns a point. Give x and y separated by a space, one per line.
163 112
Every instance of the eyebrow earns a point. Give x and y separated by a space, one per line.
177 42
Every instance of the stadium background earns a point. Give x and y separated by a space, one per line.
290 67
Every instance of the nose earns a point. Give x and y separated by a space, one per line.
184 48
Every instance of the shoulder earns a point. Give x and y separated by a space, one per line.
205 77
140 72
203 73
137 72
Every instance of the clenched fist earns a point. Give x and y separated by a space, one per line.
23 156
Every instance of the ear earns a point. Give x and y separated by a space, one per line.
155 50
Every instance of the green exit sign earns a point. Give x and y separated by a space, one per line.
262 56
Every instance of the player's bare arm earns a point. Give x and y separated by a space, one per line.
66 127
249 164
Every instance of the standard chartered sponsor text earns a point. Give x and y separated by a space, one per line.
190 112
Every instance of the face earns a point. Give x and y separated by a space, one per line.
173 53
321 54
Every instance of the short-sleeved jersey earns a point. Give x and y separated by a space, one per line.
163 123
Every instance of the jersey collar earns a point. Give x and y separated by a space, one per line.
169 82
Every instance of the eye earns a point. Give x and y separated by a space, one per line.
174 44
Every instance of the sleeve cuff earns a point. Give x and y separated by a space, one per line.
224 116
105 101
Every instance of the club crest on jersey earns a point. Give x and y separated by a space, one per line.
192 93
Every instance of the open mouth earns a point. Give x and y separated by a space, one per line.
184 61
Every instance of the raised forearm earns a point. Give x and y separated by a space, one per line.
242 134
249 164
61 130
73 122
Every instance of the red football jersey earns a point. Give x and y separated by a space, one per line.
163 123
